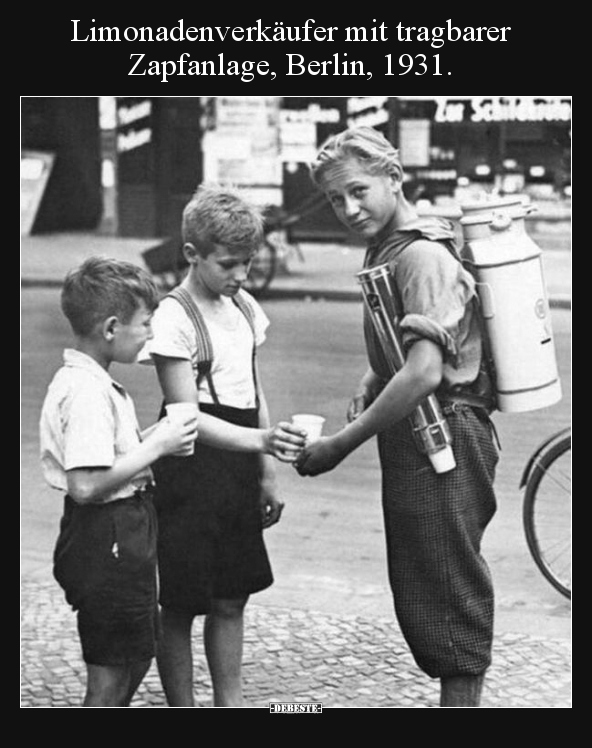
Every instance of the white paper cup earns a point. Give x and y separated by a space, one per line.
313 425
443 461
182 413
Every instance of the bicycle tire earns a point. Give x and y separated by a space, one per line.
546 523
263 269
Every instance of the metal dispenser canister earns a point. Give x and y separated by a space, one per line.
430 429
507 266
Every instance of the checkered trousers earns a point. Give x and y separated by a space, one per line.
434 523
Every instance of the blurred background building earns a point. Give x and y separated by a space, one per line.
126 166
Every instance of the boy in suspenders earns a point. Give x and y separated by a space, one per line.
213 506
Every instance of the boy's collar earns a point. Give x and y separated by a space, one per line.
80 360
433 228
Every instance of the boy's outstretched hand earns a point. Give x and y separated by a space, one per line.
285 441
319 457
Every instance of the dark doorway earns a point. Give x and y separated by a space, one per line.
179 160
69 128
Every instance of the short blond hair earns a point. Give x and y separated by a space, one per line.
220 215
365 144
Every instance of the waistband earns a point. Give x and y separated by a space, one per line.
449 407
141 494
247 417
146 492
456 406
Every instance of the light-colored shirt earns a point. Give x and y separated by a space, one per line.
87 421
436 293
174 336
438 302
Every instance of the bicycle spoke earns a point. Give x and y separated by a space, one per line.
554 552
554 476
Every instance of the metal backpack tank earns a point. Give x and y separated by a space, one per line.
507 267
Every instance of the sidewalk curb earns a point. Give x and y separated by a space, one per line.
560 301
302 294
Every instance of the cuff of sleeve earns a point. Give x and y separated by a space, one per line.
165 353
415 327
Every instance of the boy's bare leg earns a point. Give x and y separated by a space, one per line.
137 672
461 691
175 657
223 642
106 685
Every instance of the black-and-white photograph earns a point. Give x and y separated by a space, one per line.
296 401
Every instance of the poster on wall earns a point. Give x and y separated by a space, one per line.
242 148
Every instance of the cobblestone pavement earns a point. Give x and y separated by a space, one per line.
344 661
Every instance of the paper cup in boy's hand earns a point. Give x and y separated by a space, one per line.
313 425
182 413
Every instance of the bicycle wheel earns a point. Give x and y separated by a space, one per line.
547 513
262 269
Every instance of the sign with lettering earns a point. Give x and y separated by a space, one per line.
133 123
369 111
503 109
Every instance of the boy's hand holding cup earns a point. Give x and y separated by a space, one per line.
312 424
184 414
285 441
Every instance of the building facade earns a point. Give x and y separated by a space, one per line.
126 166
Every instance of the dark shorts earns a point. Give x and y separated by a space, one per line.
105 561
441 585
210 539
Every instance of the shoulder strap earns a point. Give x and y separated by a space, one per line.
204 344
448 244
205 352
244 306
484 386
247 310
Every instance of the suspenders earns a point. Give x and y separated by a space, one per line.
205 353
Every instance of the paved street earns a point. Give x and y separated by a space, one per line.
298 655
325 630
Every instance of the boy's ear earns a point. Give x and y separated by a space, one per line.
396 180
108 328
191 253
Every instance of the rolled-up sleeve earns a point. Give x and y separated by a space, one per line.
435 290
